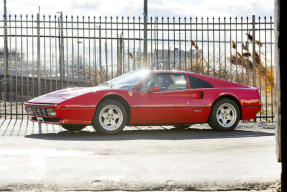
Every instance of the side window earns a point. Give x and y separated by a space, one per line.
166 82
171 82
198 83
147 85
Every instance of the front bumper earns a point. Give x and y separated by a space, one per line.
61 121
64 115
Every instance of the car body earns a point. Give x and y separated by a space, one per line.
147 99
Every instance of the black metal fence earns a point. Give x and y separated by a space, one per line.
45 53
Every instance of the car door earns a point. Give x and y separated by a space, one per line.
168 105
200 98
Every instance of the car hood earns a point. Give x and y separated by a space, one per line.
65 94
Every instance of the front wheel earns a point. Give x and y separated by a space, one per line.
225 115
110 117
73 127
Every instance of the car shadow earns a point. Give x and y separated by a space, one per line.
156 134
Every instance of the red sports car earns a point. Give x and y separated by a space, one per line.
147 97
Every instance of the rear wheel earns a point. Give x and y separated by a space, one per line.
73 127
225 115
110 117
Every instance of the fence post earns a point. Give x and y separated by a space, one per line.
145 33
38 55
6 95
253 54
61 50
120 69
253 51
100 50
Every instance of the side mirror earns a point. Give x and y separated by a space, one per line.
154 89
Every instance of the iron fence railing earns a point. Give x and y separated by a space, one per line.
45 53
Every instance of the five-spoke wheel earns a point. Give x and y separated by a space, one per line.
110 117
224 115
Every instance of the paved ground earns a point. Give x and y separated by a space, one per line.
140 158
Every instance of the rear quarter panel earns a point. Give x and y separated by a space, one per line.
248 98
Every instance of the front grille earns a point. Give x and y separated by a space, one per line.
39 111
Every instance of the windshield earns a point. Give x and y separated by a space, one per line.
129 80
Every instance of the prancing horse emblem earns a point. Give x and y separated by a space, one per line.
130 93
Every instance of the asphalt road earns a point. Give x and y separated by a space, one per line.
140 158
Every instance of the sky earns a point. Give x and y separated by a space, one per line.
188 8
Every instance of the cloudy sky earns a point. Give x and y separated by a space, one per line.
135 7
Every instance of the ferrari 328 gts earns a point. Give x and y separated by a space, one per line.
147 97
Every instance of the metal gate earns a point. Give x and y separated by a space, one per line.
41 53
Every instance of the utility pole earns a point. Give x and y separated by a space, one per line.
145 33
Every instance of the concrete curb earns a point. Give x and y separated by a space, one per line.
105 185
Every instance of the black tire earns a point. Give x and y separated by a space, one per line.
216 120
181 126
121 123
73 127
